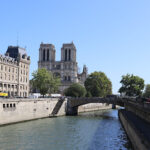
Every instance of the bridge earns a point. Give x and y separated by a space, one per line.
74 103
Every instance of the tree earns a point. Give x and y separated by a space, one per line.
98 85
44 81
75 90
147 91
88 94
131 85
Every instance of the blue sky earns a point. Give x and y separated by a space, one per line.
112 36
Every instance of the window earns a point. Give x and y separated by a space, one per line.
44 55
69 54
58 66
65 78
7 105
3 105
65 54
10 105
14 105
69 79
48 55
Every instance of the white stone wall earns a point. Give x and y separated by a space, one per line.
93 107
27 110
19 110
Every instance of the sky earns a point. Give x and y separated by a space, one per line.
112 36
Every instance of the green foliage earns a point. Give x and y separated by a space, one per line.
98 85
147 91
88 94
131 85
54 84
44 81
75 90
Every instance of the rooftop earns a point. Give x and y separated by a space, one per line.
14 51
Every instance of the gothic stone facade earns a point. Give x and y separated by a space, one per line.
14 72
67 68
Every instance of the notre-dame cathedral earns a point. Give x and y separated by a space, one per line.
67 68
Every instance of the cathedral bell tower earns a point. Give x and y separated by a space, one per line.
68 59
68 52
46 55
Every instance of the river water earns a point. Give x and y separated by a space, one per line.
99 130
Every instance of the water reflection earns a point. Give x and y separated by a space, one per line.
99 130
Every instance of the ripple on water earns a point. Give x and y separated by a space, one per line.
99 130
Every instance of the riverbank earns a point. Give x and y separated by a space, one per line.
137 129
21 110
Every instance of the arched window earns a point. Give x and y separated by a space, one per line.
65 54
69 79
69 54
48 55
44 55
65 78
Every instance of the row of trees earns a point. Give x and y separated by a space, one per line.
96 85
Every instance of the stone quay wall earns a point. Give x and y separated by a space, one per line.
136 128
20 110
93 107
13 111
140 109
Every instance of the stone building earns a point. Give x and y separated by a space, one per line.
66 68
14 72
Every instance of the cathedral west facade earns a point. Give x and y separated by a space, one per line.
66 68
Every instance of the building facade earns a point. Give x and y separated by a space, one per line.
66 68
14 72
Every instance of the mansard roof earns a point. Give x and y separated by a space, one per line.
15 51
7 59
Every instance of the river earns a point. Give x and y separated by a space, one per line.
99 130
